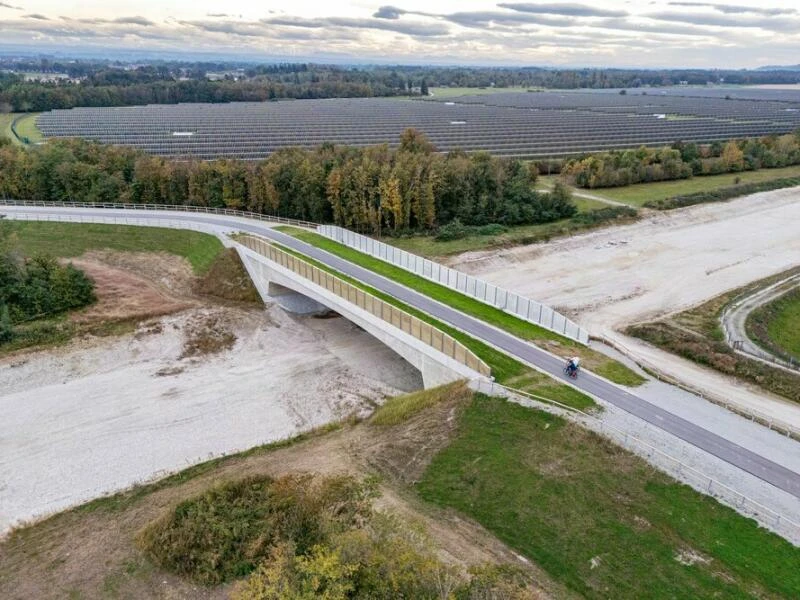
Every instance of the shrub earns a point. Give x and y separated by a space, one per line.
227 531
454 230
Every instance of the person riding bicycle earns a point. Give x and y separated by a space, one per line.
573 364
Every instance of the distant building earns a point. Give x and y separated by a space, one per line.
49 77
234 75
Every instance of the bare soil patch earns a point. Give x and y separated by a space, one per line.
127 293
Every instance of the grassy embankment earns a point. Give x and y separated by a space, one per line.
597 518
560 345
638 194
776 325
594 517
697 335
69 240
505 369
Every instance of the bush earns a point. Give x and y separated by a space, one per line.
491 229
454 230
229 530
39 287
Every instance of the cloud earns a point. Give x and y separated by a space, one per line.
769 24
564 9
731 9
389 12
4 5
220 15
133 21
415 29
36 16
659 28
483 19
228 27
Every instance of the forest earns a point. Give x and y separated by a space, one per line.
106 83
371 189
682 161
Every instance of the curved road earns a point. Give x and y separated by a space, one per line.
767 470
735 321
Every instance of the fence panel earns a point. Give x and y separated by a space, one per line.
522 307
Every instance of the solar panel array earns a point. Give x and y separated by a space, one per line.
530 125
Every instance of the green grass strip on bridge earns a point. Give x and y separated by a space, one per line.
553 342
505 369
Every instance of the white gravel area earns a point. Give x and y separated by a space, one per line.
96 417
662 264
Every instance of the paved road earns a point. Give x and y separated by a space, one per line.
767 470
734 322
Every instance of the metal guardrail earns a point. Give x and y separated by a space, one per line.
415 327
172 207
698 480
483 291
752 414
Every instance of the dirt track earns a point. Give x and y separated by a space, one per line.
660 265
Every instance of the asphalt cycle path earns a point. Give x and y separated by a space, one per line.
755 464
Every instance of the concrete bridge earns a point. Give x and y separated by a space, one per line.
299 286
783 475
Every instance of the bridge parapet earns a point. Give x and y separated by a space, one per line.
389 314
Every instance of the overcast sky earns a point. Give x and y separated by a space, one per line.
645 33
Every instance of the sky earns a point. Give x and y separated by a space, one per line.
600 33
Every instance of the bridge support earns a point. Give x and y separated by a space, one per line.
299 295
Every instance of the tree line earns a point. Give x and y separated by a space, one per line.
374 189
682 161
109 83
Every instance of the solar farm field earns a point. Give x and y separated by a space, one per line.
521 124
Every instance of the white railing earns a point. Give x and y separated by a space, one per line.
769 518
172 207
519 306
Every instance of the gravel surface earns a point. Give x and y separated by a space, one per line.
665 263
98 416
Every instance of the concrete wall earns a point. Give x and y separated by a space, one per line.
519 306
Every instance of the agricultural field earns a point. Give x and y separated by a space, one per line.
520 124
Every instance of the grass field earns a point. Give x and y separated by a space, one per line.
73 239
594 361
505 369
26 129
596 517
636 195
776 325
